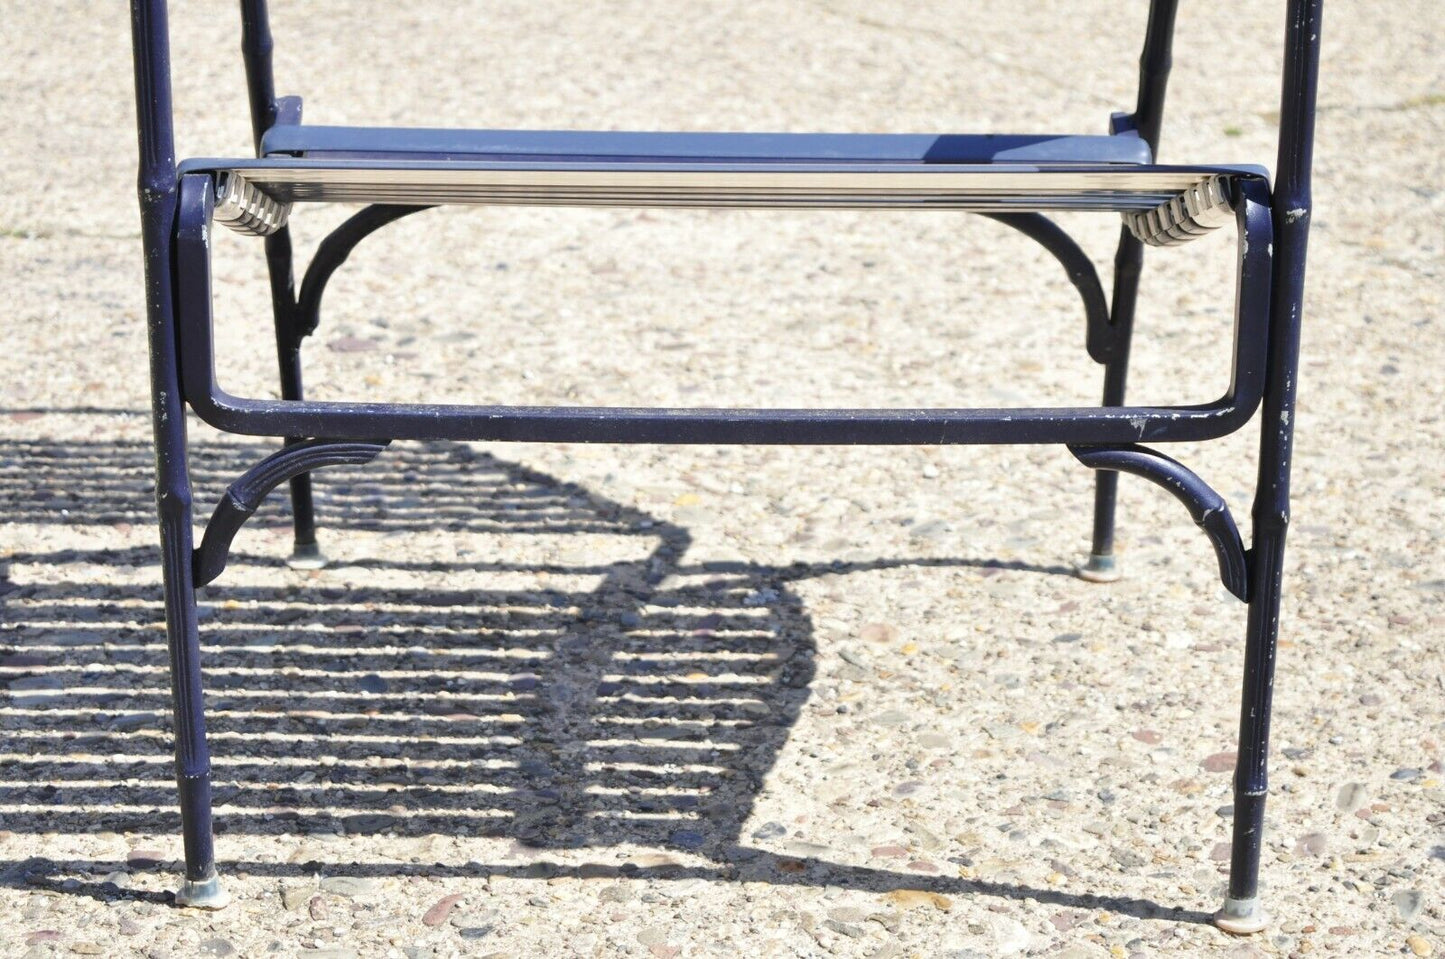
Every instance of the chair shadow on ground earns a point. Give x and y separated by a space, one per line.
636 700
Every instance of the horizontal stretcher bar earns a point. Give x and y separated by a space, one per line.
552 424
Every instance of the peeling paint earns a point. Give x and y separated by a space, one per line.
1292 215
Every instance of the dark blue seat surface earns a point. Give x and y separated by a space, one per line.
428 144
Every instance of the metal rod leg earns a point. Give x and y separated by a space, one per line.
1154 66
1242 913
157 194
1128 263
202 886
306 553
1292 206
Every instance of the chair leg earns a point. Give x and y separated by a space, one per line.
1128 263
1102 567
202 886
305 553
1292 204
1242 913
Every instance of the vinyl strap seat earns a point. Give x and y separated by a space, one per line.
981 173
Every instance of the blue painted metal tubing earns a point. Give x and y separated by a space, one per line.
1077 265
333 251
1292 208
1110 342
244 495
1208 508
157 189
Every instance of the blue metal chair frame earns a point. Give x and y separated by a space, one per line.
1014 180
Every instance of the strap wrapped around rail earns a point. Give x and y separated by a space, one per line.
1202 208
1160 205
245 209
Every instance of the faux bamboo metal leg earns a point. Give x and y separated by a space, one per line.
157 189
1242 912
256 48
202 886
1102 566
1292 206
1154 65
306 553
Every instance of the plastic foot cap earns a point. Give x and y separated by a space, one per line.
307 556
203 894
1099 569
1241 917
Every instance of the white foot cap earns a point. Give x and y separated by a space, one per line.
1099 569
307 557
1242 917
203 894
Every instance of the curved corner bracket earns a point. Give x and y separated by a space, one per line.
333 251
243 496
1080 268
1208 508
